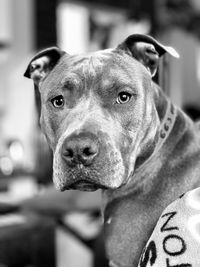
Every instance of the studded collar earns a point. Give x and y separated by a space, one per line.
166 125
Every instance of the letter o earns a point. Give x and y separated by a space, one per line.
180 243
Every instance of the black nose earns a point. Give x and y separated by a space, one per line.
81 148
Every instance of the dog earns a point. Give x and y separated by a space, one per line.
111 127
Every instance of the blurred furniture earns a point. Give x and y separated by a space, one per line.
26 240
78 236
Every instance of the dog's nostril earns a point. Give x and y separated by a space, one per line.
88 151
69 153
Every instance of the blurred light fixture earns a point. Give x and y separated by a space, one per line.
6 29
73 27
16 151
6 165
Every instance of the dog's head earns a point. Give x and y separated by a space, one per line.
97 111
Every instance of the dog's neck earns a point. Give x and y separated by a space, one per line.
166 113
144 165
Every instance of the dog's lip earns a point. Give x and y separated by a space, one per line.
84 185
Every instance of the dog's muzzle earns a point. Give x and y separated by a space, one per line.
79 152
87 161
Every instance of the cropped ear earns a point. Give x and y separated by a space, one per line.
147 50
40 66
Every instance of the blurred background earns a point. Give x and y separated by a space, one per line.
39 226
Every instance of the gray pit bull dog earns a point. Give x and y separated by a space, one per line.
112 128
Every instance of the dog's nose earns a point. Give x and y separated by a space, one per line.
80 149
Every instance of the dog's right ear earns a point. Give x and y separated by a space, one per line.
40 66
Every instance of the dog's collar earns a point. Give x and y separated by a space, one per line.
166 125
165 128
164 131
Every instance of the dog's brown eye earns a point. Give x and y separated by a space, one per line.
123 97
58 101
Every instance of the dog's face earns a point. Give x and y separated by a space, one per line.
93 115
97 113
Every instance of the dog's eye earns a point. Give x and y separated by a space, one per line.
123 97
58 101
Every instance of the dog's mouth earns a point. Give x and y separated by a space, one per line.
105 171
84 185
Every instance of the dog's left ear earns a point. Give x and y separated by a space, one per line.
147 50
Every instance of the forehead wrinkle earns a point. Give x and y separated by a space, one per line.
91 70
116 77
98 69
71 80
